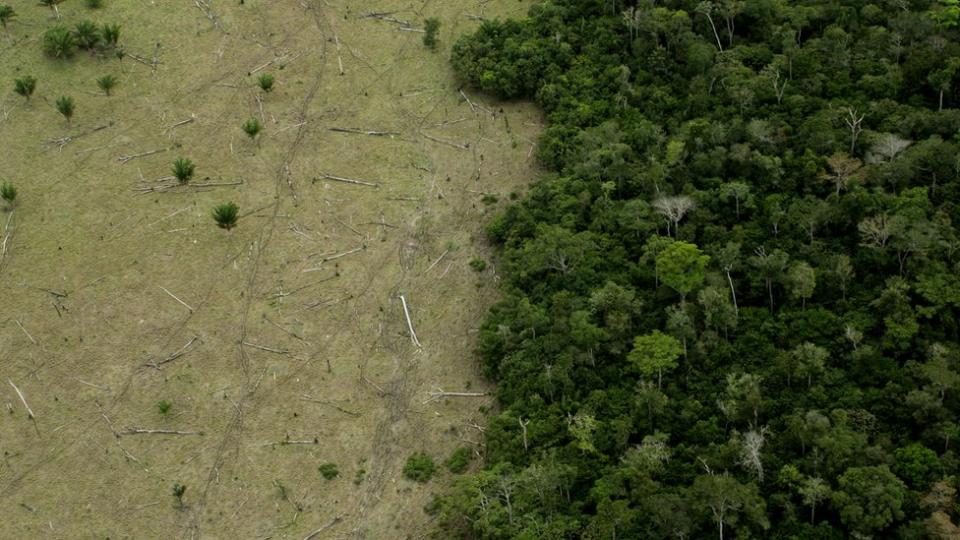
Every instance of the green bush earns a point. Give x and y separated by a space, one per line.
252 128
106 83
164 406
458 461
6 13
8 193
59 42
178 491
226 215
419 467
87 35
329 471
111 34
25 86
65 106
431 27
478 265
265 82
183 170
95 4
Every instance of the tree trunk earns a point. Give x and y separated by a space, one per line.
770 293
733 293
659 378
941 101
812 509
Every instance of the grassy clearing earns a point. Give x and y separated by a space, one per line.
281 343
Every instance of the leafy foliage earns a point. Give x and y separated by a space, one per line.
265 82
183 170
110 34
252 127
178 491
419 467
93 4
164 406
755 205
87 35
66 106
226 215
329 471
106 83
431 26
7 13
59 42
25 85
8 192
458 461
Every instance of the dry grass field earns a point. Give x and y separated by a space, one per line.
282 344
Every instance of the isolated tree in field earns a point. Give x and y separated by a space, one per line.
655 352
25 86
52 4
183 170
87 34
226 215
59 42
8 193
6 14
65 106
110 34
252 128
106 83
431 27
178 491
265 82
682 267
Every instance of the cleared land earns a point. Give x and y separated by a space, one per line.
280 345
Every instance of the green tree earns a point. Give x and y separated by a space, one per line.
178 491
770 266
8 193
811 360
917 464
25 86
869 499
682 267
942 79
655 352
106 83
59 42
65 106
813 491
183 170
226 215
110 34
252 127
419 467
803 280
739 192
6 15
431 27
728 501
87 35
265 82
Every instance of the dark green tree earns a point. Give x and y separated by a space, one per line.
25 86
226 215
66 106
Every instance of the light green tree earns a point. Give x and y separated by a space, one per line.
682 267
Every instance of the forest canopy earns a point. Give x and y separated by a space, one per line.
730 305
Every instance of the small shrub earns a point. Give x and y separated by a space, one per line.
458 461
252 128
178 491
111 34
431 26
478 265
87 35
66 106
94 4
59 42
183 170
226 215
329 471
419 467
164 406
25 86
6 13
106 83
8 193
265 82
489 198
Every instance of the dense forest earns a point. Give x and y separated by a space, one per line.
730 304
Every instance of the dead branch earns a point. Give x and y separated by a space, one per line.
23 400
336 40
329 404
142 431
364 132
205 8
7 233
336 256
192 118
465 146
25 332
406 313
124 159
440 258
348 180
63 141
333 522
173 356
441 394
268 349
177 299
